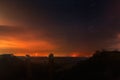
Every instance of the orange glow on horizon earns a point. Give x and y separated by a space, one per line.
33 48
46 54
32 54
75 55
80 54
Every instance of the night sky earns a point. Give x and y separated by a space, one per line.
65 27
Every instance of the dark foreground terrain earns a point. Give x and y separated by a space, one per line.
103 65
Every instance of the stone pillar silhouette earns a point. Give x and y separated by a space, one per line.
28 67
51 66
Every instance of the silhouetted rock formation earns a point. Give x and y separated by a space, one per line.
103 65
11 67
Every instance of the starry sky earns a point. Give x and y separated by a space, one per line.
64 27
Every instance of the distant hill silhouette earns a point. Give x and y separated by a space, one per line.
103 65
11 67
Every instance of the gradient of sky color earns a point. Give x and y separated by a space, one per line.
65 27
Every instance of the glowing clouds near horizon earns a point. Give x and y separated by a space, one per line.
20 40
22 47
79 54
